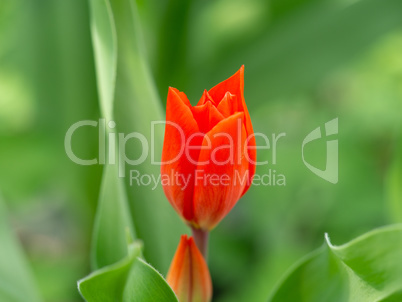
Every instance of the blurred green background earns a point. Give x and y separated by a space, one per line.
306 62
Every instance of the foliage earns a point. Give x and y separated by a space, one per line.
366 269
130 279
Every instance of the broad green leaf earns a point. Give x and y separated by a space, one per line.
113 223
126 87
130 279
146 284
368 268
136 107
16 281
107 284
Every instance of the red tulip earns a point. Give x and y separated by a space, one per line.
208 158
188 275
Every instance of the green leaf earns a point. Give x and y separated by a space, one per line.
112 223
16 281
117 38
368 268
130 279
105 51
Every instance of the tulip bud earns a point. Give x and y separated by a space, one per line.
209 154
188 275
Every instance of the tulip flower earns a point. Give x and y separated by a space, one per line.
188 274
208 157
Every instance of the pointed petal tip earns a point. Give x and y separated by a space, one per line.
172 89
191 241
176 93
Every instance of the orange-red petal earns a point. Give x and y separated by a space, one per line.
235 85
205 98
221 174
206 116
180 126
229 105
